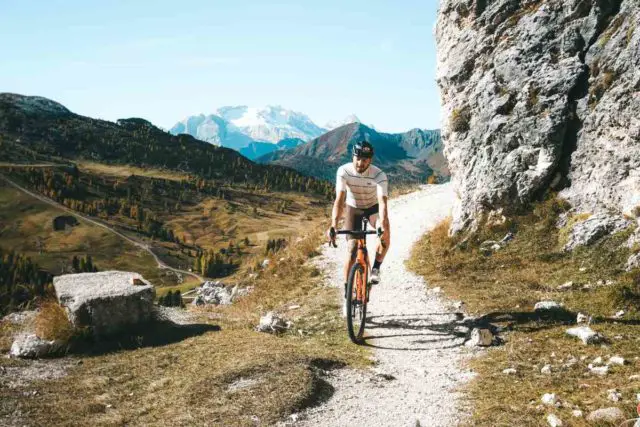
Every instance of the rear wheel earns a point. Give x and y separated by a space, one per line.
356 303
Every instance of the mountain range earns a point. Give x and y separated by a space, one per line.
412 156
254 131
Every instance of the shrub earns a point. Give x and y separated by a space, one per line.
459 120
52 322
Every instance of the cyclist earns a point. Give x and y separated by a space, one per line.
363 187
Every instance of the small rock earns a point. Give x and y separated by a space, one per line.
582 269
458 305
547 305
582 318
272 323
606 414
554 421
619 314
566 286
616 360
597 360
637 397
599 370
436 290
577 413
265 263
480 338
510 371
614 395
635 377
586 334
294 307
508 237
546 369
549 398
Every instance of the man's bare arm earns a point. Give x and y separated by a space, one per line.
338 206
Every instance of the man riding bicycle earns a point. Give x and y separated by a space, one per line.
363 187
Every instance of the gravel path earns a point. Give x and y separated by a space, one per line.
410 330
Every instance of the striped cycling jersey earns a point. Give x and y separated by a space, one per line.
363 190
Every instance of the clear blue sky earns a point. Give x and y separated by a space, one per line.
165 60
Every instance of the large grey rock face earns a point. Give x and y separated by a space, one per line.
540 93
106 302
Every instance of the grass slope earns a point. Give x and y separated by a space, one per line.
502 289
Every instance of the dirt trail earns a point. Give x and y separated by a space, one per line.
410 330
81 217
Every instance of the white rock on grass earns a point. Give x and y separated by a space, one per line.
547 306
480 338
549 399
271 323
510 371
577 413
599 370
554 421
29 346
582 318
616 360
107 302
635 377
612 414
597 360
614 395
619 314
546 369
586 334
565 286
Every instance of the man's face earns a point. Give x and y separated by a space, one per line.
361 163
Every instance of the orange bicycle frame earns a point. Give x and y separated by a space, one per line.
362 279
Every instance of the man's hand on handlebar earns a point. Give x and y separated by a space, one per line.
331 234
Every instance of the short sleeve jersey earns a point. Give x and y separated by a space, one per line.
363 190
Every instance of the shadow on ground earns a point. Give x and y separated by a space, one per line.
420 332
152 334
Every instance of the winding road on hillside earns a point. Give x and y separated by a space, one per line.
137 243
410 330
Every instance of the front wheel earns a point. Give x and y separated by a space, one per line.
356 303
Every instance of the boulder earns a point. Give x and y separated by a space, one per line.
611 415
106 302
29 346
593 228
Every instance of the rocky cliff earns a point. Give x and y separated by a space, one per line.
540 94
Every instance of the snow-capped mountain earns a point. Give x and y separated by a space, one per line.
238 127
351 118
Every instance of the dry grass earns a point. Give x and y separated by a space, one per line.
197 379
504 287
52 322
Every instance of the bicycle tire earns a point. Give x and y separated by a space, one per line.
356 310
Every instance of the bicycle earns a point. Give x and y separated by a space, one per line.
358 284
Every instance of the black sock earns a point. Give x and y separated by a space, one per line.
376 264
